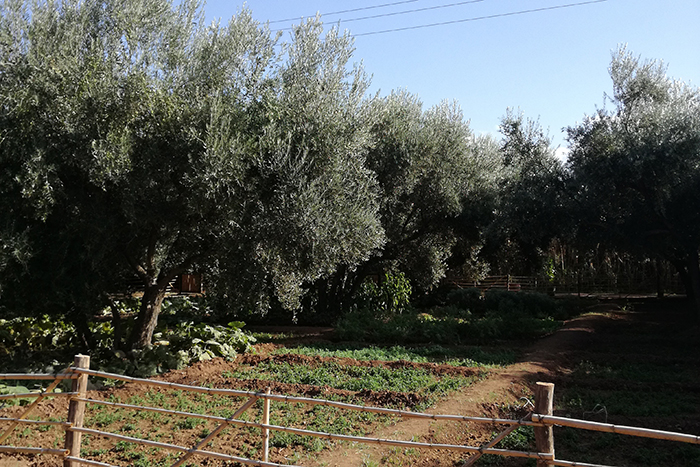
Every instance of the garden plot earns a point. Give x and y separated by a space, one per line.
393 384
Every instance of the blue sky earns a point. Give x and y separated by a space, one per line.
551 64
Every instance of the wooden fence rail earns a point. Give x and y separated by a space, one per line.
509 282
542 420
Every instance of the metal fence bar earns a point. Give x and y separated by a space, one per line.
32 450
26 395
619 429
173 447
88 462
165 384
43 376
501 421
33 422
575 464
154 409
308 400
392 442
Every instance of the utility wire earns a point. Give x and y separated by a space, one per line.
404 12
411 11
349 11
478 18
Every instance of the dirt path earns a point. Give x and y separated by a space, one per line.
503 393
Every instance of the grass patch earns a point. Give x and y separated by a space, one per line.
643 373
470 357
355 378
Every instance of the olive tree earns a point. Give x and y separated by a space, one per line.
315 207
155 144
129 124
529 209
635 168
431 173
434 175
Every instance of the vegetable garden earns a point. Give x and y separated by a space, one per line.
415 378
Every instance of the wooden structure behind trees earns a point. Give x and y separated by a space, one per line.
571 270
183 284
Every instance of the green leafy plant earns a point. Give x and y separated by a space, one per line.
390 295
36 340
188 342
507 315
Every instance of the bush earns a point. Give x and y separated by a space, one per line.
391 295
34 341
451 311
533 304
502 315
467 299
186 343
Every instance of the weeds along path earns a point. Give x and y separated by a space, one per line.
500 394
503 393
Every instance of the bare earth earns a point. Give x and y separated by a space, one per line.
504 393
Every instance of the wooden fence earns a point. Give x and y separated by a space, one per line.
542 420
509 283
571 284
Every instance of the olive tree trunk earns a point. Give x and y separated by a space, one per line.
694 281
147 319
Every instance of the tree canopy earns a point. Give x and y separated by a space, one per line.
136 141
139 141
635 168
530 205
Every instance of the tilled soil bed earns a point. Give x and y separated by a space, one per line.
629 362
243 442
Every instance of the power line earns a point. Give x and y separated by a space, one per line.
478 18
349 11
404 12
410 11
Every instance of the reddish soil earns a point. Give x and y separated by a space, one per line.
503 392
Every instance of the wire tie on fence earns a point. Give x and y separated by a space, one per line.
527 403
599 408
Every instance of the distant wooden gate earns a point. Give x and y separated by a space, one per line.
542 419
508 282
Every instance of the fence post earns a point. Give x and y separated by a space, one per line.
266 431
544 436
76 411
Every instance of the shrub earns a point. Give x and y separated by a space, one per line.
502 315
390 296
451 311
467 299
33 341
183 344
534 304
